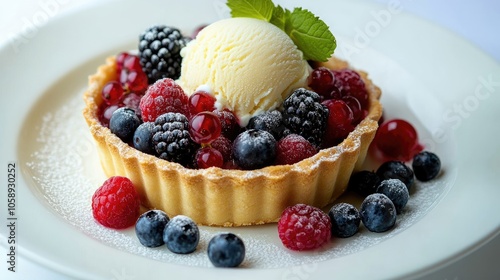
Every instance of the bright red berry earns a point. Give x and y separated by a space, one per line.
105 112
293 148
209 157
349 83
339 124
162 97
132 77
116 204
201 101
204 127
397 140
120 59
321 80
304 227
357 112
112 92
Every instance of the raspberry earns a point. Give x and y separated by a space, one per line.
171 138
229 122
162 97
159 50
293 148
303 114
224 146
304 227
349 83
116 204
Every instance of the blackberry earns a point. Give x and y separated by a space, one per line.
303 114
171 138
364 182
159 52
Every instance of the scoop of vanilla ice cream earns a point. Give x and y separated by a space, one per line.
249 65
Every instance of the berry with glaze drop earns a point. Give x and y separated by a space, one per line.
201 101
209 157
397 140
204 127
112 92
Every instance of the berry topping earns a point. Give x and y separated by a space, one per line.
120 60
224 146
396 170
303 114
143 136
349 83
116 203
378 213
364 182
396 191
271 122
181 235
171 138
254 149
397 140
357 112
209 157
226 250
105 113
204 127
304 227
201 101
132 101
159 50
112 92
149 228
426 166
229 122
293 148
123 123
162 97
345 220
132 78
339 125
321 80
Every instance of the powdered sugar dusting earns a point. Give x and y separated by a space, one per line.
64 166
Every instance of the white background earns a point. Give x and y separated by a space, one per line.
476 21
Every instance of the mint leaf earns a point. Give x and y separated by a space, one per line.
279 17
261 9
311 35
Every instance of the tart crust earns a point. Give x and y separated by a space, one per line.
223 197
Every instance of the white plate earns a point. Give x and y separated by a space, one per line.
428 76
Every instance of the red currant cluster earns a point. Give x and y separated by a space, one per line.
127 91
344 93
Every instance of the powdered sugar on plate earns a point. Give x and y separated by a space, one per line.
64 165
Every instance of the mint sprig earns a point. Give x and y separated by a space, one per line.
309 33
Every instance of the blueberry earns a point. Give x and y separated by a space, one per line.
396 191
149 228
143 136
396 170
271 121
181 235
378 213
364 182
253 149
226 250
345 219
123 123
426 166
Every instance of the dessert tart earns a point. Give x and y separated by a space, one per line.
227 197
249 67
